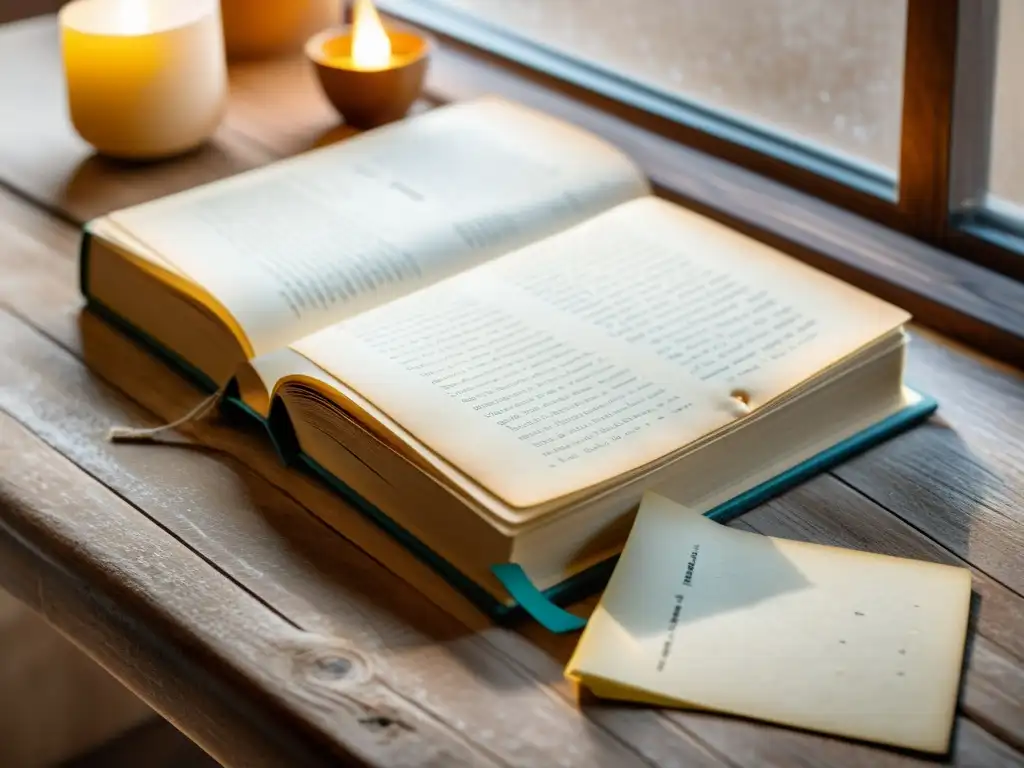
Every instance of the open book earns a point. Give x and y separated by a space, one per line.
481 324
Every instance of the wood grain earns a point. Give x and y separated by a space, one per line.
960 480
927 125
689 726
13 10
44 718
238 523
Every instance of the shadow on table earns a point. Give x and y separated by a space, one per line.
99 185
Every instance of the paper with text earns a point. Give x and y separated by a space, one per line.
598 350
294 246
846 642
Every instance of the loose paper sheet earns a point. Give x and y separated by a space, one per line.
698 614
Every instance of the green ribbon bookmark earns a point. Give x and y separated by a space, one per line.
533 601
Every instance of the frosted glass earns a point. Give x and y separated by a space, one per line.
829 72
1006 158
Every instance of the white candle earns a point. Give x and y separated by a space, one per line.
145 78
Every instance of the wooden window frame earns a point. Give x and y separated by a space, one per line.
897 239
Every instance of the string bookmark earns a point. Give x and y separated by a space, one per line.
121 434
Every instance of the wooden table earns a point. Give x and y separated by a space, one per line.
198 578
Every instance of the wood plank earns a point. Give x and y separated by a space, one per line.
55 702
960 480
927 115
745 744
14 10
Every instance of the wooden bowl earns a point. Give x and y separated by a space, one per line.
368 98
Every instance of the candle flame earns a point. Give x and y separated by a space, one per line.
371 48
133 16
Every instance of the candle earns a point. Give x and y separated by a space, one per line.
145 78
370 73
371 46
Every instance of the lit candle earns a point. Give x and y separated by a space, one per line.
145 78
370 73
371 46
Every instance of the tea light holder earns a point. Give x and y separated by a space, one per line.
146 79
368 97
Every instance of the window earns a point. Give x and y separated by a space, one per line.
827 73
986 198
1006 160
907 112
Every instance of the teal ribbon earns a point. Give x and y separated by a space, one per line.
533 601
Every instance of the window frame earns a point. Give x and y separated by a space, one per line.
940 33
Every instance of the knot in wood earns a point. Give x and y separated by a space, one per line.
330 664
333 666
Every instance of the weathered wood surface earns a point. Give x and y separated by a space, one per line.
199 578
44 716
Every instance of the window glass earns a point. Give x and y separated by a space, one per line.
828 72
1006 153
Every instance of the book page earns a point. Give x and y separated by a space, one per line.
851 643
292 247
600 350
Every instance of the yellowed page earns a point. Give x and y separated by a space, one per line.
833 640
599 350
294 246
